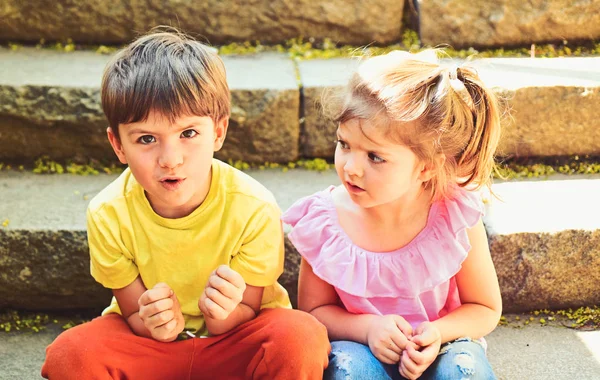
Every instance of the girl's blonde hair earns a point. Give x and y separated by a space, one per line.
433 109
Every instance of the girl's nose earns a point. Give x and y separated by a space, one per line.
352 166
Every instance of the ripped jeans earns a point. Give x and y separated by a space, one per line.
460 359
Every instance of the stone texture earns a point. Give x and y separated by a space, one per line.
548 271
289 278
50 106
59 122
545 243
552 104
462 24
47 270
355 22
264 126
551 121
321 79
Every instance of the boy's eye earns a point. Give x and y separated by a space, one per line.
189 133
342 144
147 139
375 158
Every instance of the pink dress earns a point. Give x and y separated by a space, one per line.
416 281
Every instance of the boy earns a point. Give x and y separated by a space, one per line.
183 240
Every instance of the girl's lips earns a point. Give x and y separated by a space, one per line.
172 184
353 188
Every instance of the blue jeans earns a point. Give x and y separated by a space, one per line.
461 359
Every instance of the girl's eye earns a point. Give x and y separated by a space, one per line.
342 144
375 158
147 139
189 133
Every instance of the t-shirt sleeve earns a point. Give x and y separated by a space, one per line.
110 263
261 256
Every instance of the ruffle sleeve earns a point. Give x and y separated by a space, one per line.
430 259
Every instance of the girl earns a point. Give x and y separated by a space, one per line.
396 261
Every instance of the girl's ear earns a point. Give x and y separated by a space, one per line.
432 167
115 142
220 132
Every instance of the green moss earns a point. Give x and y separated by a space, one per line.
303 49
583 318
23 321
44 165
14 321
544 167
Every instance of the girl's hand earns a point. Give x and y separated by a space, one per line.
388 336
222 294
413 363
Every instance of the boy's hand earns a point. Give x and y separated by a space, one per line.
161 313
388 336
222 294
413 362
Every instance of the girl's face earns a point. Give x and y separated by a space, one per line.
375 170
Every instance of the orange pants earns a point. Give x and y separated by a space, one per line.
277 344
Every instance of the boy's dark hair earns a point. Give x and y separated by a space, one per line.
166 72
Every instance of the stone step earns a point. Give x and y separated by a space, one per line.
218 21
507 22
532 353
50 106
460 24
544 239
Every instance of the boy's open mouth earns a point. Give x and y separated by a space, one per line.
171 183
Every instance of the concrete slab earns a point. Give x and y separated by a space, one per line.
532 353
267 71
538 352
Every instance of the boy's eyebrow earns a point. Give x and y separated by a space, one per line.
176 128
138 131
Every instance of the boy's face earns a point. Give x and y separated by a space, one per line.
172 162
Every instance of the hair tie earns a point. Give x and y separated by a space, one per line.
459 87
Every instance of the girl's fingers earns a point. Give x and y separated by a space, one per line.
416 356
399 340
405 372
410 366
429 353
390 356
426 338
404 326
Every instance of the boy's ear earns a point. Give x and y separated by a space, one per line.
115 142
220 133
432 167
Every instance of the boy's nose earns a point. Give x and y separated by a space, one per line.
170 157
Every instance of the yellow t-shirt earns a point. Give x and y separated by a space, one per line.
237 225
